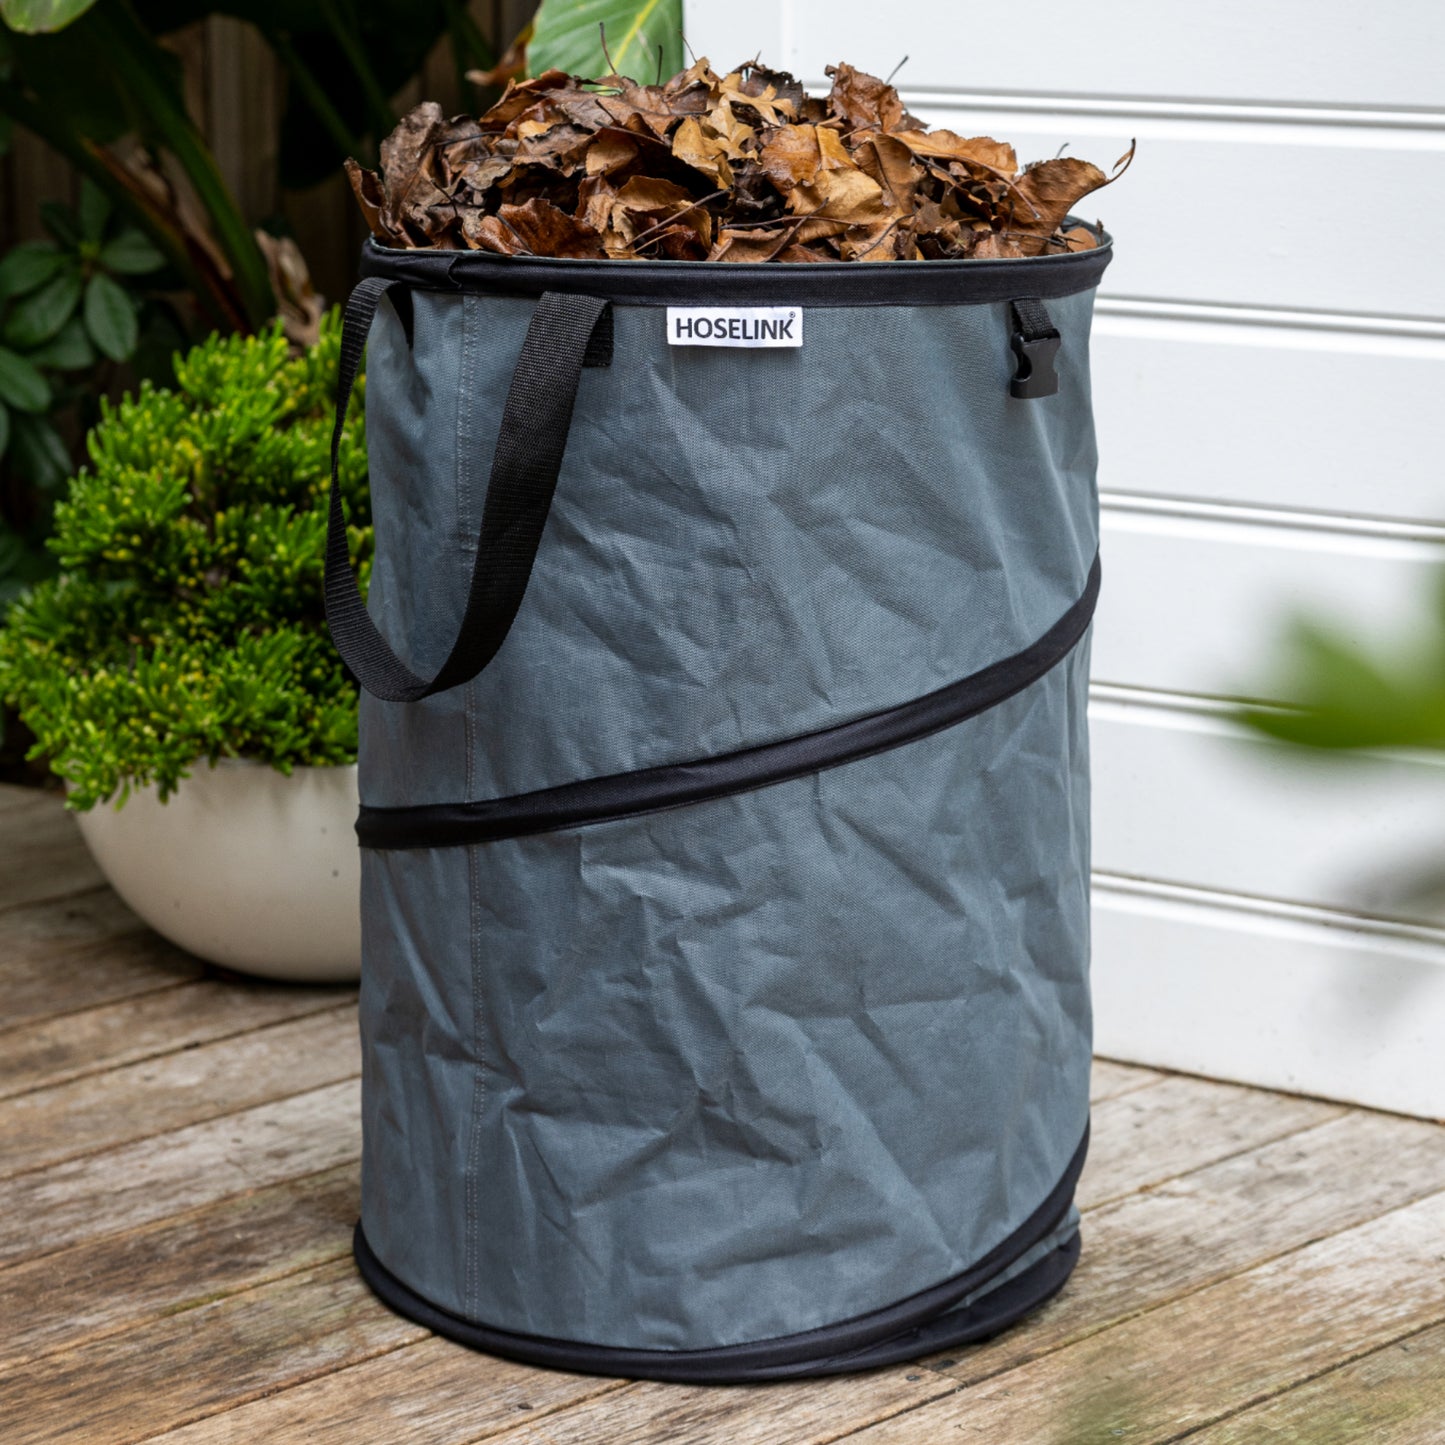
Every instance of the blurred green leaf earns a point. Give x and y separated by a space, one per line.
38 453
38 316
68 350
1342 696
131 254
62 223
568 35
36 17
94 211
110 317
4 428
21 385
29 266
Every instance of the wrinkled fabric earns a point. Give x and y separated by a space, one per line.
764 1063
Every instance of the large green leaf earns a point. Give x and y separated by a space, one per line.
21 385
131 254
93 211
37 17
29 266
40 315
68 350
110 317
568 34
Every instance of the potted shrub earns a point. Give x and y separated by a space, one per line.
177 673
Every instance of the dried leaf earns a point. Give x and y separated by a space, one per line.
863 101
741 167
512 65
542 230
366 187
981 150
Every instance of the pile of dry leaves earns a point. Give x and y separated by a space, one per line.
741 167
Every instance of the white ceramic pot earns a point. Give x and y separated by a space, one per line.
243 866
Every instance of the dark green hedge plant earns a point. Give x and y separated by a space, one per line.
187 620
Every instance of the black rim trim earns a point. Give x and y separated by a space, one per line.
650 790
705 283
895 1332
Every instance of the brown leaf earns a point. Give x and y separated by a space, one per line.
1051 189
993 247
610 151
366 187
522 95
841 195
889 162
512 65
1080 238
791 156
703 150
979 151
543 230
742 167
760 244
863 101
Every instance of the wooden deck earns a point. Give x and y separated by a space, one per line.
178 1182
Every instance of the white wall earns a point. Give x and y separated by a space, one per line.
1270 387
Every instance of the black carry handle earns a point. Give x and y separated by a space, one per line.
530 444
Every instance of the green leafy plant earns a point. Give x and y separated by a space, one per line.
1346 696
187 619
599 37
73 309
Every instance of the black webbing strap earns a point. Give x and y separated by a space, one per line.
1035 342
530 445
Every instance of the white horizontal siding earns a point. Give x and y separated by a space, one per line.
1318 1005
1260 402
1299 52
1198 605
1295 51
1173 776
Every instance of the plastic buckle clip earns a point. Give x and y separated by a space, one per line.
1035 375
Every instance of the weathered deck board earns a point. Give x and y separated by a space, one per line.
1392 1396
47 861
1219 1221
173 1264
1200 1358
126 1386
1203 1121
100 1194
89 950
429 1393
174 1248
57 1050
186 1087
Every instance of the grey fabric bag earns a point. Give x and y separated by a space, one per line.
724 771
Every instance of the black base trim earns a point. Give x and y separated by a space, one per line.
924 1322
706 283
650 790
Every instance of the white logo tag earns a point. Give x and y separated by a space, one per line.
735 325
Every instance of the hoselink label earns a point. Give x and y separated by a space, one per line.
735 325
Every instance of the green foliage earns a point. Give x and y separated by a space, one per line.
569 34
35 17
1347 696
187 620
68 312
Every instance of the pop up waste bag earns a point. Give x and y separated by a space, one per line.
725 802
